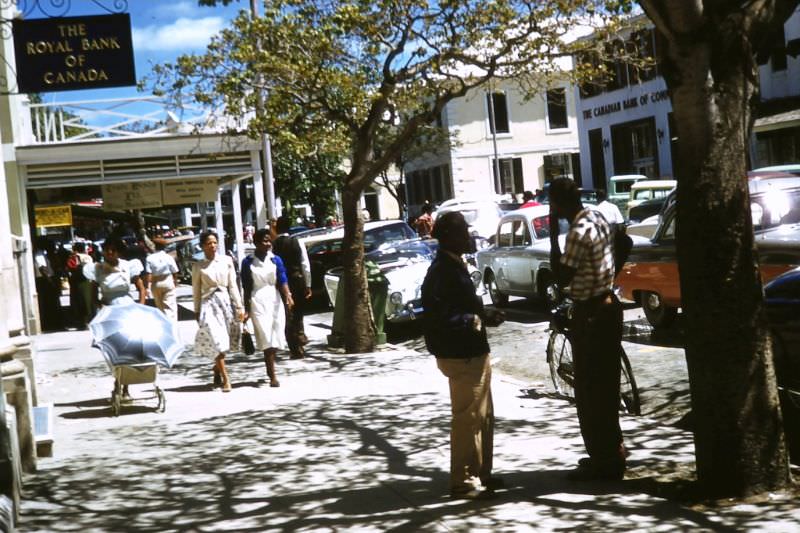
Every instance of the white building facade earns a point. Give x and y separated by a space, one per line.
528 144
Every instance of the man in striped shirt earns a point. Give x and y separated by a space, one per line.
587 268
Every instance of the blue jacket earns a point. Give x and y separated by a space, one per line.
450 303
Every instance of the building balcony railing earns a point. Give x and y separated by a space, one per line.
121 118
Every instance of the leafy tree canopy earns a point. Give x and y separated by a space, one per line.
368 75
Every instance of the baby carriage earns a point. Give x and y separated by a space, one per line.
137 374
135 340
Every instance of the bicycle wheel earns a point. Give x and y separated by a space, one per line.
628 391
562 370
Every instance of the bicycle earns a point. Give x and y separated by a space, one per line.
559 357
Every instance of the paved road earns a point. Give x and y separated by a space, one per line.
519 344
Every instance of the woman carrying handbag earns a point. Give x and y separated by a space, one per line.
265 290
218 306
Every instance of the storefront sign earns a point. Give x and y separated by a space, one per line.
122 196
53 217
628 103
68 53
179 192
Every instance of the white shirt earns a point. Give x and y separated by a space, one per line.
610 212
114 281
160 264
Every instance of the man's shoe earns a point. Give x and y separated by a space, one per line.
481 493
298 355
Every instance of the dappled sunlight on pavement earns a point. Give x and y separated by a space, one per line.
348 442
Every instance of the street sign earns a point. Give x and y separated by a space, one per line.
53 216
70 53
122 196
180 192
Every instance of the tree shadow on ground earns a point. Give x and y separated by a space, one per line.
366 462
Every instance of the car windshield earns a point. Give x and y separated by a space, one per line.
775 207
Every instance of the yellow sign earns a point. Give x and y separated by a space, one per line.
52 217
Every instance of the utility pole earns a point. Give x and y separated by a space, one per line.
266 148
498 189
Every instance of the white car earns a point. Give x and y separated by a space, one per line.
404 264
481 215
518 263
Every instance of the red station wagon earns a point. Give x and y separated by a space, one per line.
650 277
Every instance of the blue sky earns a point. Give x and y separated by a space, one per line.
162 30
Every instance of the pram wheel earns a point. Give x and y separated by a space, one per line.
116 403
162 400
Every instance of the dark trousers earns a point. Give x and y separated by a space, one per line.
49 294
596 343
295 329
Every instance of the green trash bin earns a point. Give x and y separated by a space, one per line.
378 293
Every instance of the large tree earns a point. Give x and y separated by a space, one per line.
363 67
708 60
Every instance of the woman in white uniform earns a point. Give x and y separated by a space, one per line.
264 282
114 277
218 306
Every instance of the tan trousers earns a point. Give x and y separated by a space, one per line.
166 300
472 425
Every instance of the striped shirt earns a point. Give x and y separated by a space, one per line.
589 251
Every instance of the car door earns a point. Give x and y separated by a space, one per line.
501 254
654 267
520 257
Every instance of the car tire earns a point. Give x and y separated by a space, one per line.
657 313
543 280
498 298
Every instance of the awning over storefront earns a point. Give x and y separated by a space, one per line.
136 160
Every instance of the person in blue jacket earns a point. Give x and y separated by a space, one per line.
266 291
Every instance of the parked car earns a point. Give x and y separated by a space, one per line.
404 263
481 215
619 189
518 261
650 277
646 209
783 311
325 246
648 190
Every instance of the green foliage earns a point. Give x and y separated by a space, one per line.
350 68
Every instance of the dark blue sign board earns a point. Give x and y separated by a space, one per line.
71 53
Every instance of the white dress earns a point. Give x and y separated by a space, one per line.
266 305
114 281
217 303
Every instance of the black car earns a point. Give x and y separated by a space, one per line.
325 249
783 310
646 209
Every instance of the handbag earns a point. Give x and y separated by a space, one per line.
248 347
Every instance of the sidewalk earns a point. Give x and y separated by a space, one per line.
348 442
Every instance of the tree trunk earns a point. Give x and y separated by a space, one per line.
738 429
359 328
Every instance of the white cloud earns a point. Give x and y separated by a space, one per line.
183 34
184 8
